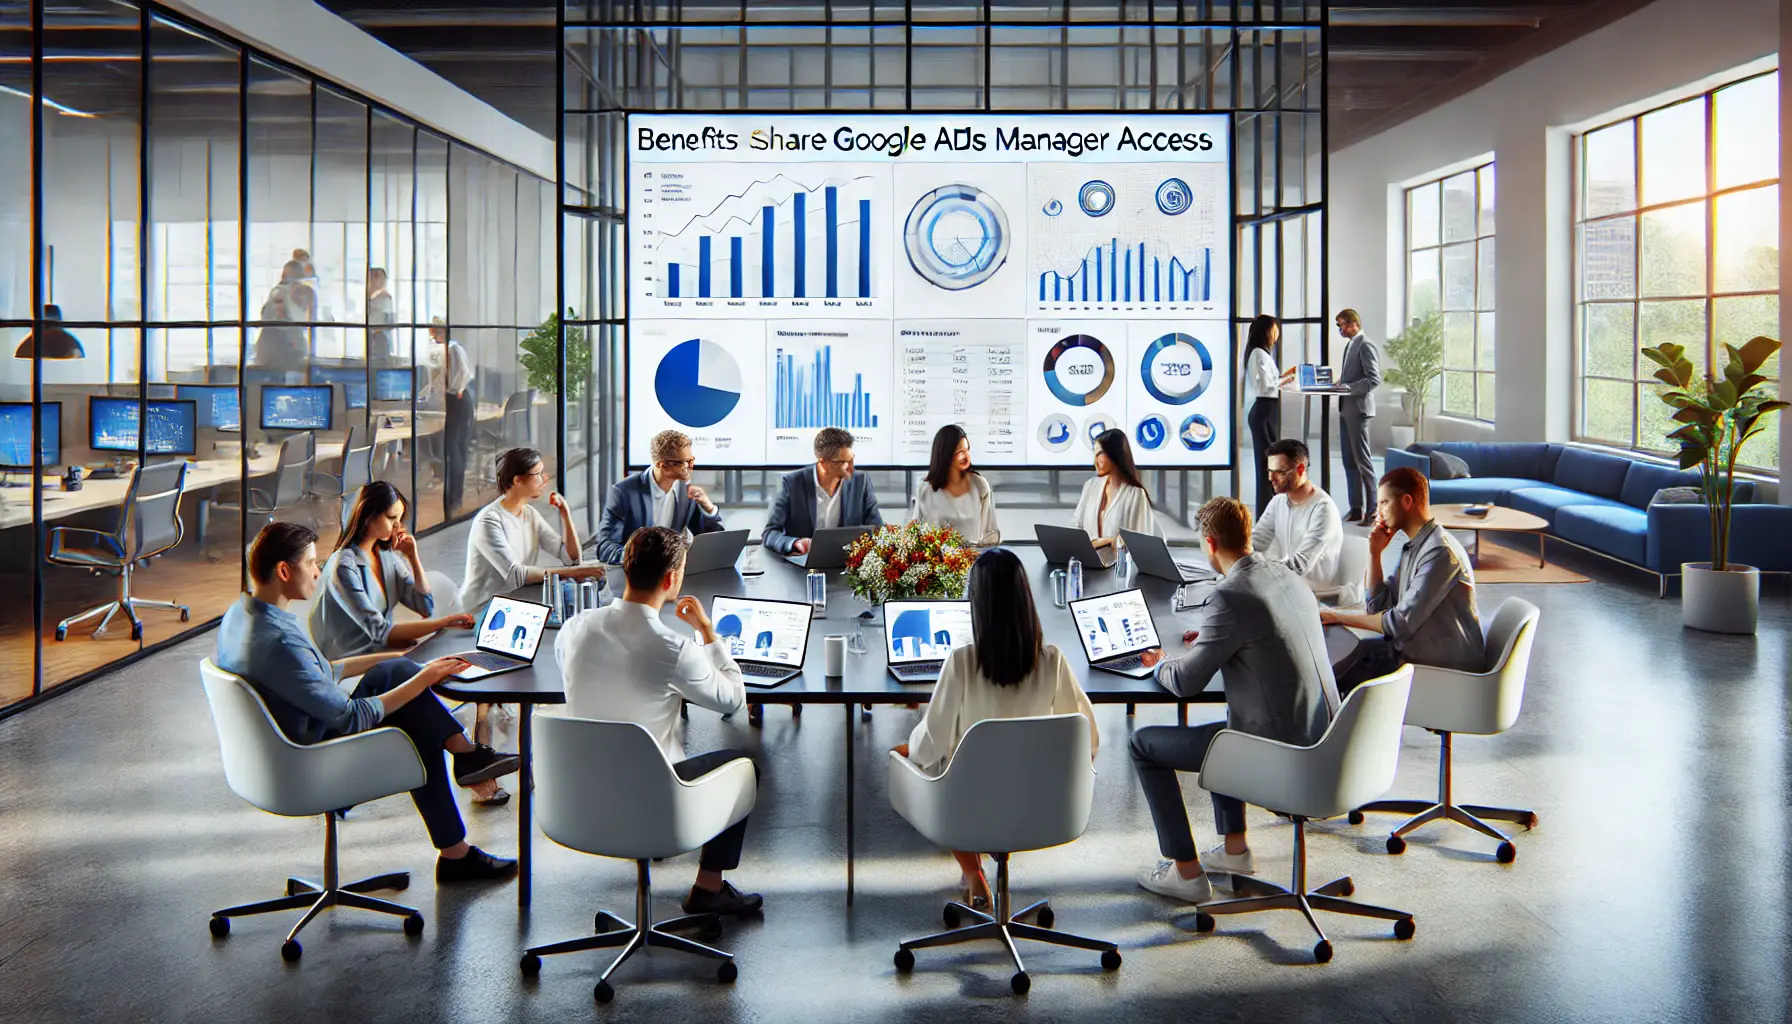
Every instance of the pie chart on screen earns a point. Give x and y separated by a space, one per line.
697 383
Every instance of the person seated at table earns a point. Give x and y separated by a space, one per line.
263 642
1007 671
954 494
1261 632
660 495
1114 499
622 664
1300 527
509 537
1425 612
820 497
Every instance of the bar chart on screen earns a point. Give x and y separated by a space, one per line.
829 374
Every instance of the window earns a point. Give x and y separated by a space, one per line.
1677 239
1449 270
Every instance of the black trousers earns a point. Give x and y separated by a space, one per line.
723 852
457 447
429 725
1265 421
1373 659
1158 753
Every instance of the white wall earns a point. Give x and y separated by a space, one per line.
1524 118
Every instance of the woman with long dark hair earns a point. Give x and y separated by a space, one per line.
1115 498
1263 386
954 494
1007 671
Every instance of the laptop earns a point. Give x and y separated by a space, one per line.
712 551
767 638
1062 543
920 635
1115 630
827 549
509 636
1311 378
1152 556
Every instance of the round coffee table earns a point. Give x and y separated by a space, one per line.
1498 519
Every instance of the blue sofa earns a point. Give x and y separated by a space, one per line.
1600 501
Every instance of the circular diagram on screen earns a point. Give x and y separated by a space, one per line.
1152 432
1079 370
1174 197
1176 369
1056 432
697 383
1097 424
956 236
1096 198
1197 433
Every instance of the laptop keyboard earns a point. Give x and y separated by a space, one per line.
1131 661
764 671
917 668
487 660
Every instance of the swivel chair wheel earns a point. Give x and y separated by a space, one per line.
220 927
950 916
1204 921
1110 960
62 632
1506 853
185 615
1348 889
413 924
711 929
1396 845
1322 953
796 711
1404 928
1046 917
1020 983
530 965
727 972
1530 821
905 961
601 923
603 993
136 631
290 951
756 715
399 884
1356 817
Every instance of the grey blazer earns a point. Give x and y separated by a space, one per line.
1428 606
1361 374
1262 634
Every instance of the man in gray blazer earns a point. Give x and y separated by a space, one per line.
1425 612
1361 373
1261 632
819 497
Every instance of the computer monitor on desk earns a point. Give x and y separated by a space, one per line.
15 436
352 379
393 384
300 407
112 425
219 407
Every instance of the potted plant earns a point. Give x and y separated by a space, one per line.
1717 417
540 356
908 560
1418 355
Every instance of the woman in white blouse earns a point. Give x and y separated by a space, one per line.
1008 671
509 536
1115 499
1263 381
954 494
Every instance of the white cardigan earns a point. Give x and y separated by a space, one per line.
963 697
1129 510
933 506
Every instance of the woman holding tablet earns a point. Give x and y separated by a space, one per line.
1115 499
954 494
1007 671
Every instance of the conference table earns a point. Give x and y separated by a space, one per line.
864 681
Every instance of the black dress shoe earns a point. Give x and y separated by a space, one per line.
1355 516
476 866
727 900
482 763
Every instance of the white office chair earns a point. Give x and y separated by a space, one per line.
1013 784
1353 565
1487 703
282 777
445 592
1352 762
606 788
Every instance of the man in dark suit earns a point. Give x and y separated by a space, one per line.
660 495
1261 630
1361 374
826 495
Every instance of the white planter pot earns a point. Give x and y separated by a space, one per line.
1720 602
1404 437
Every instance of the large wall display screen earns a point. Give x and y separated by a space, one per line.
1035 278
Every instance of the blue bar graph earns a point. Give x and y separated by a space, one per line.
864 248
672 281
798 211
767 255
703 267
832 197
734 267
1132 274
767 246
805 399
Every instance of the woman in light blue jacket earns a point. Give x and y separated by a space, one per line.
374 569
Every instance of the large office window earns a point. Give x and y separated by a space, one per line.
1677 237
1449 270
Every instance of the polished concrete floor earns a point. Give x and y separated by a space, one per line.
1654 888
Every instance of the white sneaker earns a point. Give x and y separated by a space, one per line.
1217 859
1165 880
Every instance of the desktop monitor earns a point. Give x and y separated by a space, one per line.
173 425
393 384
354 395
301 407
219 407
15 435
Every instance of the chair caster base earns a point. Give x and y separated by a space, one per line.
1020 983
290 950
603 993
1322 952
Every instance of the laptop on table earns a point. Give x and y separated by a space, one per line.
712 551
509 635
827 549
1062 543
1152 556
767 638
1115 630
921 633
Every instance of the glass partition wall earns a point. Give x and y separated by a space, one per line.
208 257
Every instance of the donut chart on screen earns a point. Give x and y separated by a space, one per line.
1176 369
698 383
956 237
1062 384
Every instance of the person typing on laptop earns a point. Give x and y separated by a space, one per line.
622 664
1261 631
821 497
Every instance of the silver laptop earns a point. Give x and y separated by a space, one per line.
827 549
921 633
767 638
712 551
1062 543
1115 630
1152 556
509 635
1313 379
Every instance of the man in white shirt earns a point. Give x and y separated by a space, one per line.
454 379
1301 527
622 664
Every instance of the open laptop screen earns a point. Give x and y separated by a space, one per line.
926 630
513 628
772 632
1113 625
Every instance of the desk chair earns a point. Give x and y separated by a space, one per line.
514 430
655 815
353 469
294 780
1352 762
1013 784
269 494
1446 701
1353 566
148 524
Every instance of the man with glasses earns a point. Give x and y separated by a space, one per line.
821 497
660 495
1300 527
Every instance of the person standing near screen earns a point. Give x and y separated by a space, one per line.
660 495
1361 374
954 494
821 497
1115 499
509 536
453 379
1263 381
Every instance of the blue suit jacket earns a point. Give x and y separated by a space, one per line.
630 506
793 510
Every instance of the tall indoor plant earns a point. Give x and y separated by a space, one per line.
1418 355
540 352
1717 417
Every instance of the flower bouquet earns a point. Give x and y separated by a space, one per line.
909 560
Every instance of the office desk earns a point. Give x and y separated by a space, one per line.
15 502
866 679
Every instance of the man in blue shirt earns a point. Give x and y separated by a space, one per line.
262 641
